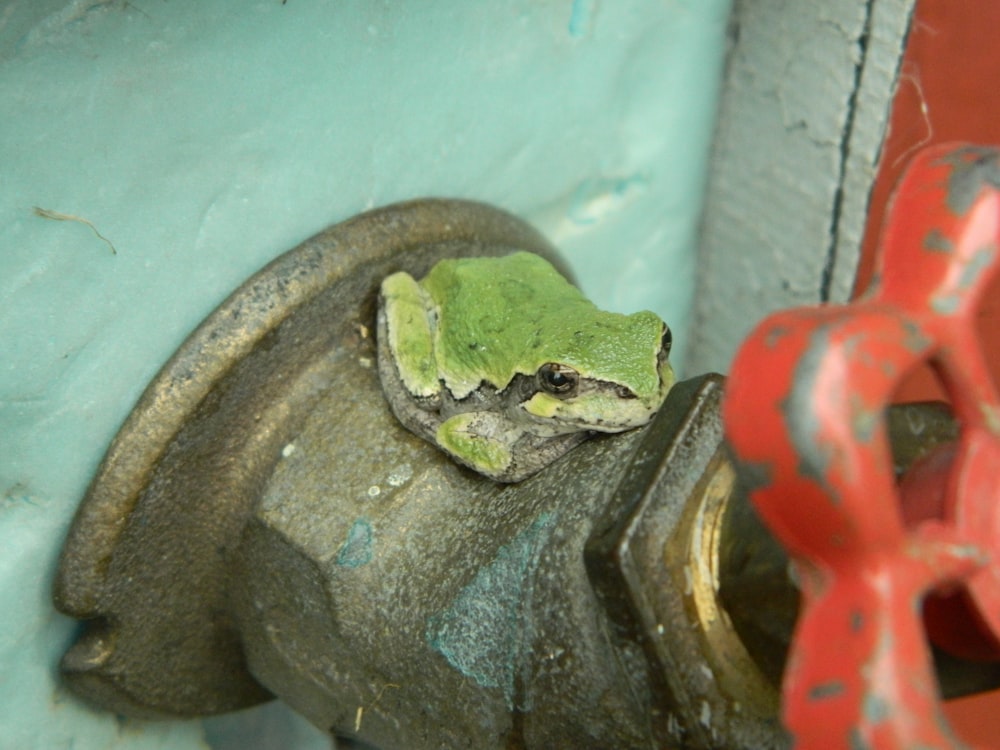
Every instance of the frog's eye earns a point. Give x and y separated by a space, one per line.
558 379
666 342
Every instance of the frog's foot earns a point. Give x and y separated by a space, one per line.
477 439
405 330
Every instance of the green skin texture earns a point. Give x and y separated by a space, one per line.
452 344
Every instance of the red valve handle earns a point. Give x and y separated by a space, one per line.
804 414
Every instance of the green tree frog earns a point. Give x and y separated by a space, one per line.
505 365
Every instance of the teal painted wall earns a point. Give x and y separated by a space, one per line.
201 139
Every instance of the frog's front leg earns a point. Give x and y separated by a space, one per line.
406 336
479 439
489 443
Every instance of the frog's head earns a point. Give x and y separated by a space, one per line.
608 376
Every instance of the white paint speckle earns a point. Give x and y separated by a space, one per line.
673 725
400 476
288 450
705 718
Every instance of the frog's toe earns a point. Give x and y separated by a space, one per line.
462 437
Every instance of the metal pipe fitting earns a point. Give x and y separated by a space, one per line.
262 526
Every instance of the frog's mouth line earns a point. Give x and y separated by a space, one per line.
562 423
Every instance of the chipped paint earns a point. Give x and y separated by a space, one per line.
949 301
936 241
915 340
875 708
972 169
798 411
826 690
857 740
857 620
775 335
864 420
946 304
979 264
878 687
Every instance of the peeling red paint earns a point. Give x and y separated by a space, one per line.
806 397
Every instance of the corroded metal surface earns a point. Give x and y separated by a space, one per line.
263 526
664 558
149 557
411 603
804 413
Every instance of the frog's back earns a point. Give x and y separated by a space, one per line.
493 312
500 317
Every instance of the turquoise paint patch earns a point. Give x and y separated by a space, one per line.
579 17
487 628
358 548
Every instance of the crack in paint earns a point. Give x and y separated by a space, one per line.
826 279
